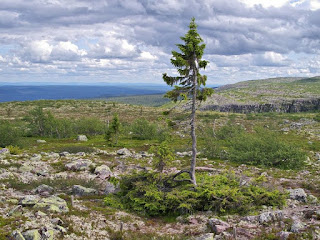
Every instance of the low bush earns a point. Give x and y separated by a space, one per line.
15 150
265 148
9 134
154 194
143 130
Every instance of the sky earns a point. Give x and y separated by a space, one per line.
111 41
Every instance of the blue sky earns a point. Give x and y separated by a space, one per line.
131 40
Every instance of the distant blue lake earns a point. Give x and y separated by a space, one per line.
28 93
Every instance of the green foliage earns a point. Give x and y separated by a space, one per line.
142 129
188 63
112 133
9 134
153 195
44 124
164 154
317 117
265 148
15 150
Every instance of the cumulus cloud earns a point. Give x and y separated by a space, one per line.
103 40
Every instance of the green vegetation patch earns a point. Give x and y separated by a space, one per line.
154 194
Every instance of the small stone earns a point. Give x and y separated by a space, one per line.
64 154
61 229
41 141
82 138
111 188
296 227
298 194
207 236
4 151
312 199
83 191
56 221
284 235
35 157
32 235
44 190
218 226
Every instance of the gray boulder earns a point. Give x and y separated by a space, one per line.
29 200
44 190
124 152
4 151
103 172
296 226
83 191
267 217
82 138
79 165
298 194
52 204
111 188
36 157
32 235
41 141
218 226
17 235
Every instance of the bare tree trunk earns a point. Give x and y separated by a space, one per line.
193 129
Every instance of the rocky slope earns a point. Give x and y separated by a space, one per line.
269 95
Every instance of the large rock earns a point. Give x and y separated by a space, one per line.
44 190
79 165
103 172
124 152
41 141
52 204
82 138
29 200
267 217
218 226
83 191
298 194
32 235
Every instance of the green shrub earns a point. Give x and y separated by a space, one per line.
154 194
15 150
317 117
9 134
89 127
143 130
265 148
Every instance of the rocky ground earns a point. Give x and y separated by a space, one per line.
51 195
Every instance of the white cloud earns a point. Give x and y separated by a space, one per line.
146 56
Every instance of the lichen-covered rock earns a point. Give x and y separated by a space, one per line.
29 200
32 235
298 194
52 204
79 165
83 191
103 172
296 226
267 217
82 138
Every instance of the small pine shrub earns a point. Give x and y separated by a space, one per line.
154 194
15 150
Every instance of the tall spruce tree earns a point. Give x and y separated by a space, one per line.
188 85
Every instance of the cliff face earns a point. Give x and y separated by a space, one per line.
298 105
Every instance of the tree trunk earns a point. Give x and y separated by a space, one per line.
193 129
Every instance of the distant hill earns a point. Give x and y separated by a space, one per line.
275 94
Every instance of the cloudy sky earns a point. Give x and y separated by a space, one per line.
131 40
